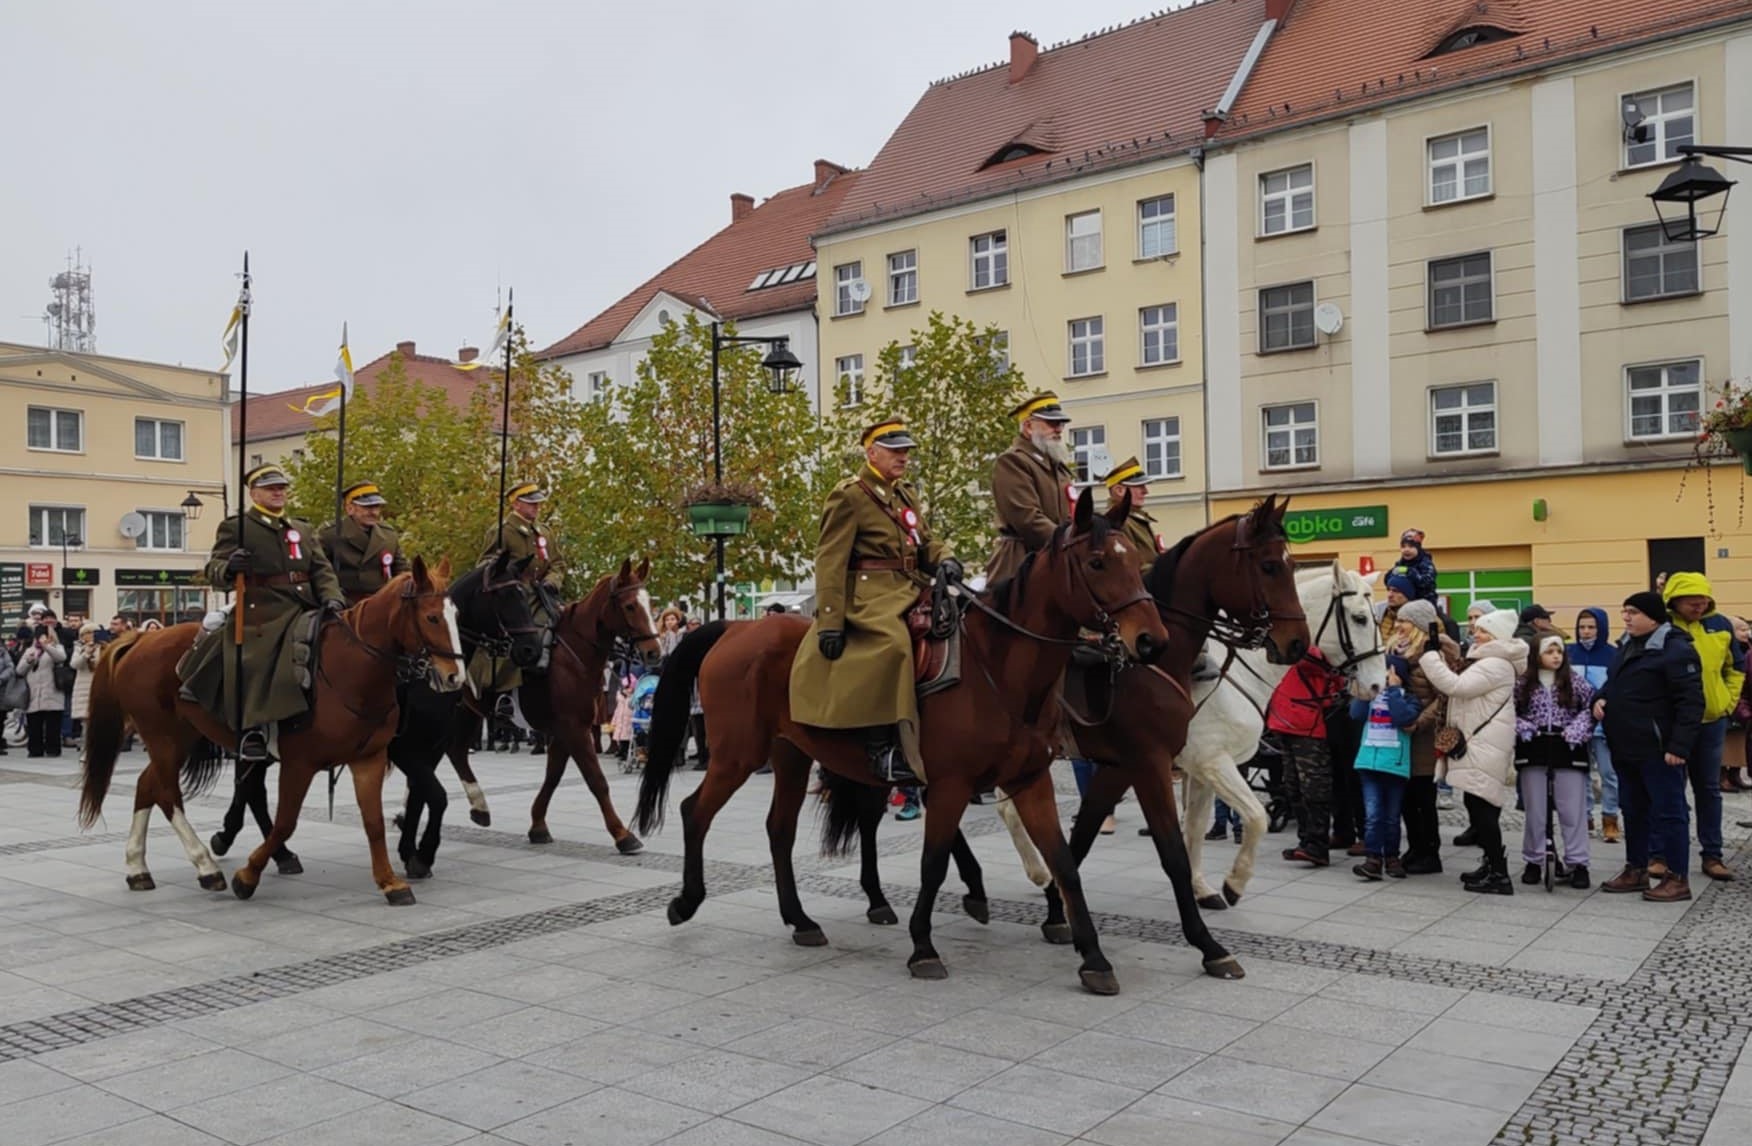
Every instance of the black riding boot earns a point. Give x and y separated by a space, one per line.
887 761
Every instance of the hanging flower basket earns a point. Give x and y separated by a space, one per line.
721 509
1740 441
1723 429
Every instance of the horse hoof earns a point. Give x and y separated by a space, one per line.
1231 894
400 897
1213 902
540 836
1057 934
1099 982
213 882
979 910
291 865
814 938
418 868
932 969
680 911
396 820
882 916
1224 968
629 845
219 844
241 889
481 819
141 882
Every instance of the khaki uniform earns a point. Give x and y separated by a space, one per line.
1029 492
872 683
1140 531
520 539
364 559
289 576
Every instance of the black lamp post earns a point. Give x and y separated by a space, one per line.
68 540
1692 183
782 363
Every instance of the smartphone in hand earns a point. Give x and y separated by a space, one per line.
1435 632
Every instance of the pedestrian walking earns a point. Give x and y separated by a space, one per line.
1691 606
1383 767
1591 655
1297 713
1553 725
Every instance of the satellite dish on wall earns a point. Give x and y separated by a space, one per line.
1328 319
859 290
132 525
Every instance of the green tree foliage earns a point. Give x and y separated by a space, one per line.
954 393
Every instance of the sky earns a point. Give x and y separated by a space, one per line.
391 164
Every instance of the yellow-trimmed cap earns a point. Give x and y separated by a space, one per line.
269 474
1044 405
526 491
1128 472
890 432
363 493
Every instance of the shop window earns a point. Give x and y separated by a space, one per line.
1504 588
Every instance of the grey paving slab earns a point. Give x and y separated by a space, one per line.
727 1132
408 1066
1312 1051
606 1115
25 1079
153 1130
1272 1092
810 1043
499 1094
1377 1115
289 1103
1158 1118
985 1031
170 1085
1492 1085
383 1124
921 1069
64 1114
716 1081
1113 1058
947 1126
1462 1039
1046 1099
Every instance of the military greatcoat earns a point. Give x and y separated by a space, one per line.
874 556
364 558
1147 544
1031 493
289 576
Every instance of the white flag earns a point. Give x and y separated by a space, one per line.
330 400
234 328
490 354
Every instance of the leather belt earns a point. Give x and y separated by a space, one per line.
276 580
887 564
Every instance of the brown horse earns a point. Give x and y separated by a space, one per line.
995 728
561 704
352 717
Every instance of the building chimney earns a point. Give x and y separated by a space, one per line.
405 349
741 207
1277 9
824 170
1213 123
468 354
1023 49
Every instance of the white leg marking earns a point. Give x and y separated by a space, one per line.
136 854
192 845
477 799
1032 863
1235 793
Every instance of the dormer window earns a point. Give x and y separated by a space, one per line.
1470 37
1009 152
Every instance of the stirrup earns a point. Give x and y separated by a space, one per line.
503 708
252 747
889 764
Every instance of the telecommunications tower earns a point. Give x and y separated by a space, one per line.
70 316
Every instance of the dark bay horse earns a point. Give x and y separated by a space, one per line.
351 719
995 728
561 703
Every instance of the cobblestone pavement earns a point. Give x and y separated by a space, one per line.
537 995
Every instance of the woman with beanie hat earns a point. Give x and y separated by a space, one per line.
1423 839
1553 727
1591 655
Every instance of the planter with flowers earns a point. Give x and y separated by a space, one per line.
1724 429
721 509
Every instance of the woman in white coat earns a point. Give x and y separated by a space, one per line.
1481 708
43 713
84 662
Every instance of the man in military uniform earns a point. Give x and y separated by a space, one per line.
285 575
1031 484
364 552
1127 482
520 534
855 668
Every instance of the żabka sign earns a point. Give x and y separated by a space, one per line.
1306 525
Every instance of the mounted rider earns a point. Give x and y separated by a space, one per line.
520 535
874 557
1128 482
364 552
1031 484
286 576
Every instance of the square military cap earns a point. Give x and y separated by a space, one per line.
266 475
890 432
363 493
1044 405
527 491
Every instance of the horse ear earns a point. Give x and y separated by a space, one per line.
1338 571
420 576
626 570
444 567
521 565
1116 514
1283 508
1085 512
644 570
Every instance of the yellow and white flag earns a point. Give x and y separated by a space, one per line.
233 329
329 401
491 354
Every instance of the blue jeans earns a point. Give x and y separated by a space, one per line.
1383 799
1601 756
1656 819
1084 771
1226 817
1705 769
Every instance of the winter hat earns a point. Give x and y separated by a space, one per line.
1401 583
1534 613
1500 624
1649 604
1412 537
1483 607
1420 613
1548 640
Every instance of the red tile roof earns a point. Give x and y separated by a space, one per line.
1112 98
719 270
280 415
1331 57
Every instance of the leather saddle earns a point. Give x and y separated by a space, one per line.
934 623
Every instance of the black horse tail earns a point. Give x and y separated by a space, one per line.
846 802
669 713
103 732
201 768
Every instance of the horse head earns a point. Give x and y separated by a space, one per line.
1101 588
1265 591
623 613
425 624
493 609
1348 633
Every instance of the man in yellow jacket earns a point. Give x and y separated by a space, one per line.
1691 602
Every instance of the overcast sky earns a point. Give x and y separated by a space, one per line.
390 163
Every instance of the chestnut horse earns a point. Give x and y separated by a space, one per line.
352 717
995 728
561 703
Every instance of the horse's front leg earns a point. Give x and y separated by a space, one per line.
790 788
294 785
1156 798
590 767
368 777
1200 797
943 811
1039 811
1225 776
464 730
550 783
1101 796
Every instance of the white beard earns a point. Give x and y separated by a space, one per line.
1054 449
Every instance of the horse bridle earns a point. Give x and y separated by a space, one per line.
1352 658
500 646
616 643
1255 631
1104 613
407 667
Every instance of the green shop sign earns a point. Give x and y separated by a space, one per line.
1307 525
164 578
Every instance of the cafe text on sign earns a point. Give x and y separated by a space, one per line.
1306 525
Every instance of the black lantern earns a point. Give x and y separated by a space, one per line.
783 365
1677 198
192 506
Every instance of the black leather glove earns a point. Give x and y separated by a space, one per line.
832 642
335 606
238 562
951 570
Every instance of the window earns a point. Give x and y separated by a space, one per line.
160 440
1000 348
48 429
1656 266
1460 291
908 356
1669 119
595 385
1460 166
1665 399
1160 326
1292 436
1082 241
1088 346
1156 233
903 278
991 260
51 524
850 371
164 529
1286 317
1286 200
255 460
1086 443
846 276
1463 419
1161 448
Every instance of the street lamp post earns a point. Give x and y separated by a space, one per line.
1692 183
67 541
781 362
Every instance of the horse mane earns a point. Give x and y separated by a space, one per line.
1008 592
466 584
1159 581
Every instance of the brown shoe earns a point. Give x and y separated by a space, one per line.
1630 879
1658 869
1609 829
1716 869
1672 889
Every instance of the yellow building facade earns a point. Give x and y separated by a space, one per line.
94 519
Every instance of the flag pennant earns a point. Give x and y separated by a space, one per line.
318 404
328 401
487 357
233 328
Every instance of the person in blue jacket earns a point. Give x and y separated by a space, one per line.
1416 566
1591 654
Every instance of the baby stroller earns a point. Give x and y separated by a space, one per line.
644 695
1264 774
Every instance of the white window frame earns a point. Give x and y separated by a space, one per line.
158 424
43 511
596 384
182 528
1667 251
903 280
1466 411
1459 163
1665 393
995 259
1657 122
844 275
1166 332
908 358
1162 433
1085 440
1085 250
1312 425
55 446
1430 322
1287 197
1093 343
1167 221
849 368
1292 345
1000 350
